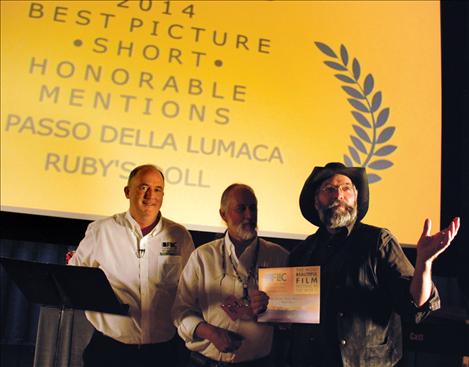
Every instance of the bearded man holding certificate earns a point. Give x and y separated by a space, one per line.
218 300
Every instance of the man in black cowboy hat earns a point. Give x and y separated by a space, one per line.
367 283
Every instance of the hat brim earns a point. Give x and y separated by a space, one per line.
356 174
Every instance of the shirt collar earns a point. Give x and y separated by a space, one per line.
158 227
136 227
343 232
247 254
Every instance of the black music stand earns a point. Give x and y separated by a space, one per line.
64 287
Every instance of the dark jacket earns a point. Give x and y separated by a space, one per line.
368 296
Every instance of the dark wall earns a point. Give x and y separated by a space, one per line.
69 232
455 135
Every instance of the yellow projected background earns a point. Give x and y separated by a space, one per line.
217 92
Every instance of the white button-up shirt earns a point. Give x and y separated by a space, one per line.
147 284
205 283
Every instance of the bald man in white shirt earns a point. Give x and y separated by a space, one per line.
142 254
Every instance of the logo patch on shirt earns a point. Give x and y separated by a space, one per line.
169 249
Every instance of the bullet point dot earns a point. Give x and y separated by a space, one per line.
218 63
78 43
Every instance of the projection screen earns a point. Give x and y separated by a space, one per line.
217 92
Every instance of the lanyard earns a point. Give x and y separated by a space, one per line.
251 272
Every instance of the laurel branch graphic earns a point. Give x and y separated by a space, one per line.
367 145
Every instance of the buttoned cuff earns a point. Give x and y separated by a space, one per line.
188 326
432 304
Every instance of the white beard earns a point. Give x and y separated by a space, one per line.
245 232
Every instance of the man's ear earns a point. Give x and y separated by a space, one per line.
222 214
126 192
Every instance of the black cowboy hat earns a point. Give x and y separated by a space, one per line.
319 174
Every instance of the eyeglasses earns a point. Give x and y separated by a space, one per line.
331 189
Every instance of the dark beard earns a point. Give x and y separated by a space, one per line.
332 217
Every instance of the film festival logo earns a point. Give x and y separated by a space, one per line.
369 144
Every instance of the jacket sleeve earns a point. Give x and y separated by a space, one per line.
395 272
301 253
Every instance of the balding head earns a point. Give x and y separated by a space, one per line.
238 208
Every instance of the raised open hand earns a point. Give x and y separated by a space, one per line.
430 246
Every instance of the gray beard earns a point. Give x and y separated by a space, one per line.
333 218
246 232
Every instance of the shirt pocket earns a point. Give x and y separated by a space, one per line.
379 355
169 269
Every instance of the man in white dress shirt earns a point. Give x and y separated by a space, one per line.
142 254
218 300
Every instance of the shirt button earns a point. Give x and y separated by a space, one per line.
343 342
340 314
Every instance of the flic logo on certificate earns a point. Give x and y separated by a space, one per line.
276 277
